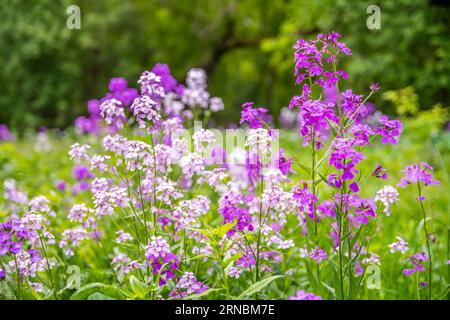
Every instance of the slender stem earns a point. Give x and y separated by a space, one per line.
430 264
258 241
143 206
342 218
154 186
313 178
48 266
19 289
224 277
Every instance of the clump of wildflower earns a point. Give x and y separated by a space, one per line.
400 245
187 285
313 118
380 173
216 104
344 157
122 236
311 56
417 260
417 173
196 95
318 254
121 262
79 212
71 238
203 139
253 116
145 111
79 152
150 85
387 195
112 112
40 204
230 206
259 141
5 135
374 87
100 162
167 81
191 164
372 259
81 172
158 254
389 130
303 295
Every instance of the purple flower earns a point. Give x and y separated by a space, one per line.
5 135
351 104
306 200
362 209
380 172
354 186
303 295
313 117
229 207
151 86
93 107
300 100
145 111
284 164
126 96
168 82
87 125
253 116
318 254
417 260
60 185
358 269
112 112
389 130
81 172
334 181
187 285
416 173
344 157
117 84
327 208
374 86
158 254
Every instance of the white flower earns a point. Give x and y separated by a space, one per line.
387 195
400 245
202 137
259 140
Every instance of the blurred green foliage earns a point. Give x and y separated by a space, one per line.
47 72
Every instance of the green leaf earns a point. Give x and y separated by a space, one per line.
100 296
257 287
333 292
139 288
86 291
223 229
202 294
232 259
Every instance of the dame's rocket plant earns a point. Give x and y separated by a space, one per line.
167 218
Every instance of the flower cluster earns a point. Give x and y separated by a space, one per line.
161 259
417 261
187 285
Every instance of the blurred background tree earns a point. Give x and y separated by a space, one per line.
48 72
